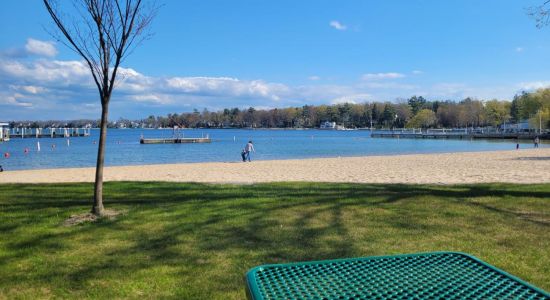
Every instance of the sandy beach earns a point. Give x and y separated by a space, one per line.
523 166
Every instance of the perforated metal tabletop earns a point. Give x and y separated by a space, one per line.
435 275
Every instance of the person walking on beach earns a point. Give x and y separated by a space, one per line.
247 149
537 141
243 154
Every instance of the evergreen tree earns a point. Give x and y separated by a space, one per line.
416 103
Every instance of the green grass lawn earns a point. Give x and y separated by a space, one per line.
196 241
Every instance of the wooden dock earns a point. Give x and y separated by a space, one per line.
25 133
462 136
175 140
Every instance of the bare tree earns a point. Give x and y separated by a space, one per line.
103 33
541 13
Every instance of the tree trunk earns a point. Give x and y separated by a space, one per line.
97 208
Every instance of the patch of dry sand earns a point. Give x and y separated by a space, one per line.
518 166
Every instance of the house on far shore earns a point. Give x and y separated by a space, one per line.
331 126
521 126
328 125
4 132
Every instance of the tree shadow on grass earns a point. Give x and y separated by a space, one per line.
220 230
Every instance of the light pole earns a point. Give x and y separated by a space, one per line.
371 114
540 121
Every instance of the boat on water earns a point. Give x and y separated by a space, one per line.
331 126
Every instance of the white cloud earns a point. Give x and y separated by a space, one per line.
352 99
12 100
29 89
382 76
388 85
131 81
33 89
42 48
262 107
417 72
519 49
47 85
39 75
534 85
226 86
46 71
337 25
65 89
153 98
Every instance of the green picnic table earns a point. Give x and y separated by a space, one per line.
434 275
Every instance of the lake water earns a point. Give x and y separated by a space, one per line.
123 147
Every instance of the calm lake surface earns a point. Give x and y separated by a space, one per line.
123 147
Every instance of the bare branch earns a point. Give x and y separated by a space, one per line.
540 13
102 35
69 38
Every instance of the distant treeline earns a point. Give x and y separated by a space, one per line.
415 112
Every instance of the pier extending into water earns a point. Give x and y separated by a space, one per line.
23 132
459 134
175 140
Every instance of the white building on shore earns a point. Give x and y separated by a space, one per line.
331 126
327 125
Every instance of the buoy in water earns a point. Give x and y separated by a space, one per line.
7 155
26 150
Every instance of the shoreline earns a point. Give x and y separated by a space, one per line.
269 160
509 166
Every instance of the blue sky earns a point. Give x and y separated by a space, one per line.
217 54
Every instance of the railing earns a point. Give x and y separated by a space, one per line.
24 132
